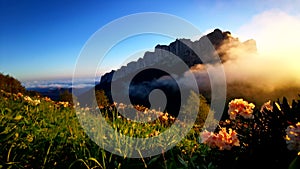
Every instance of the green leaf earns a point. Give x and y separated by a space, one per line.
182 161
8 110
295 164
153 159
7 134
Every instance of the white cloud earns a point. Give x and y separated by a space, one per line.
63 83
278 40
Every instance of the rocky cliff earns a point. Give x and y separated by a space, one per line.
185 50
142 77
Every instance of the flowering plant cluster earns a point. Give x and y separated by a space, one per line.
141 112
293 137
47 99
242 108
15 96
267 131
64 104
33 102
223 140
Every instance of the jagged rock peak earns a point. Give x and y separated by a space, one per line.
185 50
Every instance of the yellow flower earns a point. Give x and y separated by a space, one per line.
64 104
35 102
18 117
27 98
31 102
29 138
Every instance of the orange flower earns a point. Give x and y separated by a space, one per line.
64 104
240 107
20 94
266 106
164 118
47 99
223 140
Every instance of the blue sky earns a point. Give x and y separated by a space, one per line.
42 39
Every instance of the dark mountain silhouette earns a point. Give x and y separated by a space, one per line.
145 74
52 93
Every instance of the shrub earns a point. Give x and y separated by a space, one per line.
10 84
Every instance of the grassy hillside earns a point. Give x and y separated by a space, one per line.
36 132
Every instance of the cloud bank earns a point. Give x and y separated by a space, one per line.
277 62
62 83
272 72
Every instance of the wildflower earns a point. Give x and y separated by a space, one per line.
29 138
47 99
159 113
172 118
293 137
153 134
64 104
19 94
61 134
16 136
229 139
121 106
240 107
205 135
31 102
35 102
18 117
266 106
27 99
165 117
223 140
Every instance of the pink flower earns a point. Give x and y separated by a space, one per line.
222 140
240 107
205 135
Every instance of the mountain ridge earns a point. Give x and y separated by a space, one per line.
142 81
181 48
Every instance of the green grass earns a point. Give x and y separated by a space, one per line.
40 133
49 135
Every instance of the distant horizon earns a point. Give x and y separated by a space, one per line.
60 83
